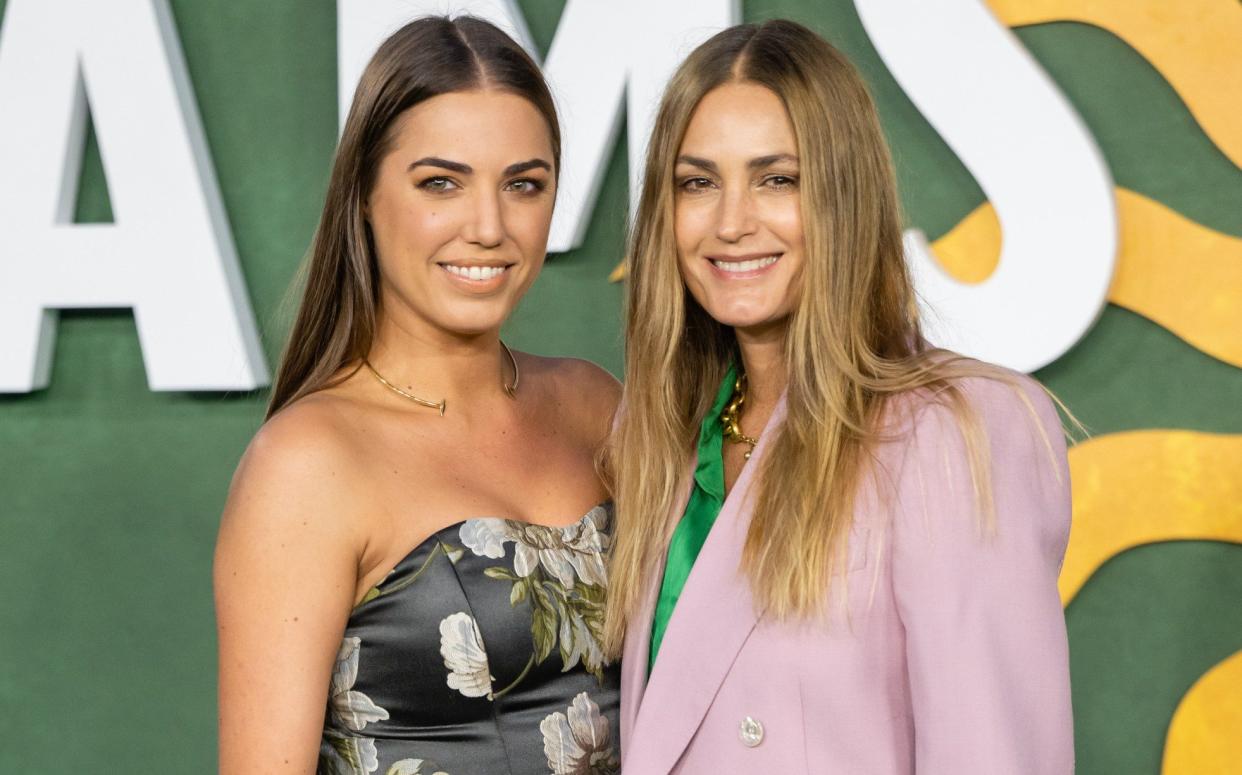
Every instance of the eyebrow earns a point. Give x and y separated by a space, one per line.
695 161
432 161
525 166
754 164
767 161
466 169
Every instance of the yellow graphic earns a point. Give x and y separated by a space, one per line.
1205 736
970 251
1171 270
1192 43
1140 487
1180 274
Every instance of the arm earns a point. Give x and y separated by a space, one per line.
285 573
986 647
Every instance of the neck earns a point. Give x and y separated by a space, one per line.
763 359
435 364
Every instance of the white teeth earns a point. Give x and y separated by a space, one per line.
475 272
745 266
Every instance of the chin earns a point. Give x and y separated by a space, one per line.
474 322
746 316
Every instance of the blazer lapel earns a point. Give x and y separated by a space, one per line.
713 618
638 636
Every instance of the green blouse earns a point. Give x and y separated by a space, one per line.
706 499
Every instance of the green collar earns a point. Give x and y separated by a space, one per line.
709 471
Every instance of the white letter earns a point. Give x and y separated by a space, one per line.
1034 159
169 254
599 50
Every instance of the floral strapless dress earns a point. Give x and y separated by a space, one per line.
479 654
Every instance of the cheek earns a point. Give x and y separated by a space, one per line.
784 218
691 224
403 225
529 225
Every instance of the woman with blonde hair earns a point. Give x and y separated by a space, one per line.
410 570
837 546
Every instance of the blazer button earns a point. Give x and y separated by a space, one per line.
751 732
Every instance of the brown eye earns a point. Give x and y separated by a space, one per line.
780 182
694 185
438 185
526 186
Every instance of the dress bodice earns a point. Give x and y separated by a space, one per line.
480 654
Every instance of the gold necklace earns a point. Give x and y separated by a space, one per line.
511 390
731 418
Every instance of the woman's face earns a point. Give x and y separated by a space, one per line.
737 219
460 210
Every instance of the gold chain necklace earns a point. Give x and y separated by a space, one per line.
511 390
731 418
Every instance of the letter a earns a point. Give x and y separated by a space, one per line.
169 254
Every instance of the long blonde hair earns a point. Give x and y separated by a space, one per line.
853 339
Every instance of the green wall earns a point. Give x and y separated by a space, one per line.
110 494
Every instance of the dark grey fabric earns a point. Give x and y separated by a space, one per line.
418 689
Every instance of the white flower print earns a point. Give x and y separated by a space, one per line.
579 642
486 537
461 645
351 709
578 743
411 767
563 552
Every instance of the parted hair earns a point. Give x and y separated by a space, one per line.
430 56
853 339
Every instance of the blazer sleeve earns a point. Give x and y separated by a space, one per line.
986 649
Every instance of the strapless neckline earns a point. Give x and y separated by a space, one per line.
437 536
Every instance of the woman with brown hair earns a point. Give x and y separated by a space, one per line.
837 546
409 574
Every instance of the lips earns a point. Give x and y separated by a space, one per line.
475 272
745 265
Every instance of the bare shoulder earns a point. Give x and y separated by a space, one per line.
284 576
298 469
582 389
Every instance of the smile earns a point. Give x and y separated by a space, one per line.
476 273
748 267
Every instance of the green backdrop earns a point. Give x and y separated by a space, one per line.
110 494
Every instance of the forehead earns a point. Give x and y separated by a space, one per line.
474 127
741 120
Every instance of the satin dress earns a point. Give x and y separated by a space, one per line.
479 654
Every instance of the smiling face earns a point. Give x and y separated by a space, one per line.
460 210
737 216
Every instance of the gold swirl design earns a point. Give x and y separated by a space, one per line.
1141 487
1204 737
1171 270
1192 43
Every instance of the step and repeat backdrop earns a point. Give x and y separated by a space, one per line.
1072 177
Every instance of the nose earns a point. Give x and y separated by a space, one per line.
487 226
735 215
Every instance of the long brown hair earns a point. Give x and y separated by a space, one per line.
853 339
428 57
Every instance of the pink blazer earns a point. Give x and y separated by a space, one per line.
953 657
